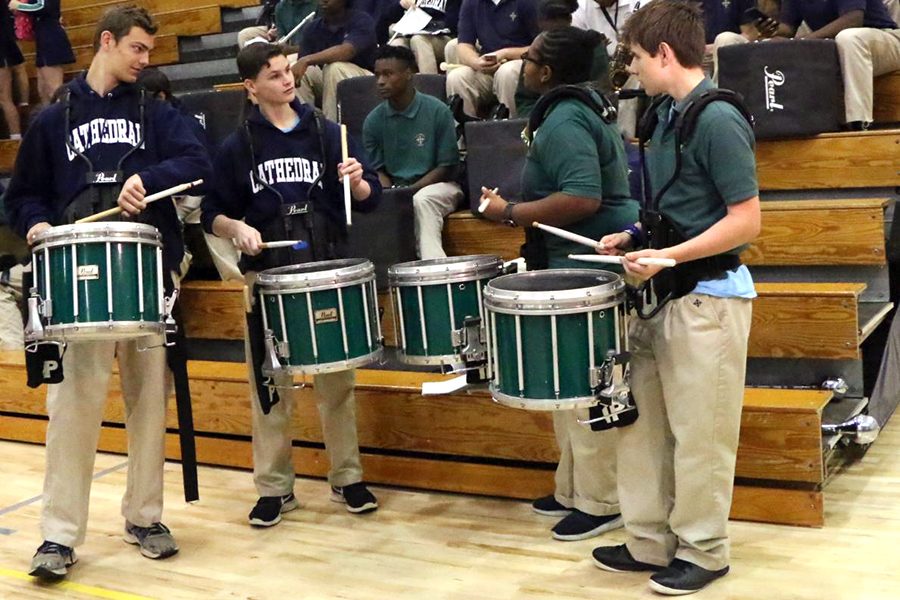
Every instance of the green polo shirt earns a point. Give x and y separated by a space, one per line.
408 144
575 152
718 164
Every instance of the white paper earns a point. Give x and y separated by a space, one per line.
412 22
431 388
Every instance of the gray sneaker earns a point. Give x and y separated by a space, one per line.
155 541
52 561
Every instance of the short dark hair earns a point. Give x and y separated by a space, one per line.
556 10
675 22
569 52
401 53
155 81
120 19
253 58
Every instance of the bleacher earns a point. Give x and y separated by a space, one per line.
821 264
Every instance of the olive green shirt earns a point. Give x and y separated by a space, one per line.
575 152
718 164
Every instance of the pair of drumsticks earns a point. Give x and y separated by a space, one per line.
177 189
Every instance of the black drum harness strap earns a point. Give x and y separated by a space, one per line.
657 230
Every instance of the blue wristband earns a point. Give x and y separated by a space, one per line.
637 235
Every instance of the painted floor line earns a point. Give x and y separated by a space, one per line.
80 588
34 499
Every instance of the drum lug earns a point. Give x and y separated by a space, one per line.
274 352
34 329
470 340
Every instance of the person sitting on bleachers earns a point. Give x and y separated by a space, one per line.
428 47
337 45
753 28
277 19
868 44
492 37
411 141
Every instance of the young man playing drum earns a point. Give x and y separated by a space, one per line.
688 358
105 130
277 178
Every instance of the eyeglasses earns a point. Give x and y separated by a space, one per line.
527 58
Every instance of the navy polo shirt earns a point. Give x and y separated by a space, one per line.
724 15
357 29
509 24
819 13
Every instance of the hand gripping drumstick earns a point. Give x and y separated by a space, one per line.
345 154
293 244
148 199
484 203
617 260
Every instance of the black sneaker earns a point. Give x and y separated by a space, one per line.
155 541
52 561
356 496
268 509
618 560
581 526
682 577
548 506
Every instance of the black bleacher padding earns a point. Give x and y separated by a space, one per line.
223 111
496 155
386 235
357 97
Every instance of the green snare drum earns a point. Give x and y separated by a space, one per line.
555 337
438 311
96 281
320 317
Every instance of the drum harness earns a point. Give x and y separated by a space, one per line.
296 220
657 230
102 193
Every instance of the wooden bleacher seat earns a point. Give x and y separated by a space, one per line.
165 52
886 102
8 151
90 13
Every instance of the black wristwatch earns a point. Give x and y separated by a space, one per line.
508 216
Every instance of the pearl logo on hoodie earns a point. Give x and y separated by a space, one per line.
286 170
103 131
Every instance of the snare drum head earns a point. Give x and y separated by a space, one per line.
98 232
315 275
445 270
554 289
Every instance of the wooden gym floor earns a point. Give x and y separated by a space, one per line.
432 545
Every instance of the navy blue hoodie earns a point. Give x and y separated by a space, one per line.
289 162
47 176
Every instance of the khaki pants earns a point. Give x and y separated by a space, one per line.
75 408
865 53
432 204
11 328
320 83
726 38
428 50
586 474
273 465
224 254
479 88
676 462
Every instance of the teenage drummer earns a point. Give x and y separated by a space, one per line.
105 144
278 177
575 177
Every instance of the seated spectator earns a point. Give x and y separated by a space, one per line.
492 38
753 28
606 16
411 141
276 20
337 45
555 14
428 47
222 251
51 43
868 44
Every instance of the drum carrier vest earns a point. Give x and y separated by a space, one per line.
659 231
534 250
298 220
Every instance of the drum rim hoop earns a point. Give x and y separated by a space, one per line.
97 232
329 367
585 299
354 273
451 269
83 331
540 404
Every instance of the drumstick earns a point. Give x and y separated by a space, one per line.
148 199
291 33
294 244
484 203
617 260
568 235
345 154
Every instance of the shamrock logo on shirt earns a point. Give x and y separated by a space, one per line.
420 139
513 16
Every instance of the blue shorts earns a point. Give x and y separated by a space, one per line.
52 43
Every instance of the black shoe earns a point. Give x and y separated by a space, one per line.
618 560
581 526
681 578
268 509
356 496
549 507
52 561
